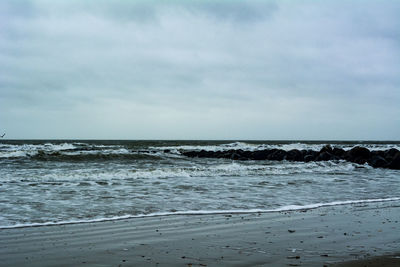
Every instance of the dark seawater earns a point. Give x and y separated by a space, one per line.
52 182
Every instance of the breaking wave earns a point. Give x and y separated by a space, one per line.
57 182
207 212
92 151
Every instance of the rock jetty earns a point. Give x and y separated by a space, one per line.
376 158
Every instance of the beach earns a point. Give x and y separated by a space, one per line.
199 133
316 237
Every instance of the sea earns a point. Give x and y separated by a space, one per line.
50 182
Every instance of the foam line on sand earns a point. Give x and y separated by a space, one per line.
317 237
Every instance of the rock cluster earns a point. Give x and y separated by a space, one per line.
379 159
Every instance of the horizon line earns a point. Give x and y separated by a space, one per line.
216 140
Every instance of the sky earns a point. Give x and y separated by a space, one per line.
199 69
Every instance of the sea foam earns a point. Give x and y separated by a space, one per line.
207 212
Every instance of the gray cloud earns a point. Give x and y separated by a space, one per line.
200 69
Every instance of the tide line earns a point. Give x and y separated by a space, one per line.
206 212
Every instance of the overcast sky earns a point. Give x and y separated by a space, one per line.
200 69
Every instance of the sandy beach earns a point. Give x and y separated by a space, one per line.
199 133
324 236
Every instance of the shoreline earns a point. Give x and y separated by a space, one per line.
288 208
322 236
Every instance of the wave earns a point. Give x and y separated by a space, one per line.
73 152
245 146
78 149
235 169
206 212
31 150
231 169
239 145
57 156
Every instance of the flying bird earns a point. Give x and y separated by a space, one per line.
3 135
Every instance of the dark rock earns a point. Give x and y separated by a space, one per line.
260 154
308 158
310 155
326 148
238 156
225 154
358 154
294 155
395 164
229 152
277 154
375 153
359 160
190 154
204 154
242 155
338 152
239 152
235 156
247 154
390 154
324 156
377 161
311 152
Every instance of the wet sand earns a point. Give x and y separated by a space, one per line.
325 236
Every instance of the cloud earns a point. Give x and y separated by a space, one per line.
200 69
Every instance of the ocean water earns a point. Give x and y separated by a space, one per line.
55 182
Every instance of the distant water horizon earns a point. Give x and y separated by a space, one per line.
207 140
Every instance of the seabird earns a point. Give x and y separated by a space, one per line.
3 135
